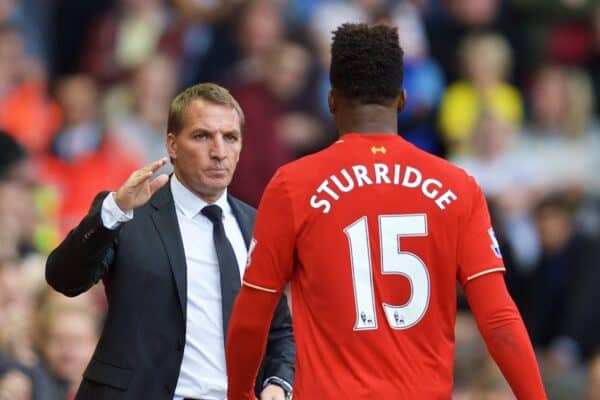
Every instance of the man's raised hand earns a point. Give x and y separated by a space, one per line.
138 188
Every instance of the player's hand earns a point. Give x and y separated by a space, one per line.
138 189
272 392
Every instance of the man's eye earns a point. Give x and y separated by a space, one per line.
231 138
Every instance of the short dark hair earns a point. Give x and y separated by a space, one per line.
11 153
557 202
366 62
207 91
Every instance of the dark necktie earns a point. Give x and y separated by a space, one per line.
228 266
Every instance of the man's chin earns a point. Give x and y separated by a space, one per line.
212 188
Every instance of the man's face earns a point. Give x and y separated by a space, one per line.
206 151
69 345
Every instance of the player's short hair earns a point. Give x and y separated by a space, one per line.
366 62
207 91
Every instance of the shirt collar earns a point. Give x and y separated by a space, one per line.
191 204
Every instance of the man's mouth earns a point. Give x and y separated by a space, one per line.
216 171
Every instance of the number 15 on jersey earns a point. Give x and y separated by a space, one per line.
393 261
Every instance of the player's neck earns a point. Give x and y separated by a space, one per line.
370 118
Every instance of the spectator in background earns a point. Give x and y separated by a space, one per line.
258 32
66 334
486 61
18 214
271 133
15 385
593 64
201 17
84 156
27 326
141 127
16 347
451 21
25 110
127 36
423 79
206 11
593 379
495 164
28 16
324 18
560 312
16 309
563 129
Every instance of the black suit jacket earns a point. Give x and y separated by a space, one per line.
142 264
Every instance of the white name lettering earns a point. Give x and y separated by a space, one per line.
378 174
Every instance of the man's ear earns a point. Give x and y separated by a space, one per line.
402 100
331 101
171 145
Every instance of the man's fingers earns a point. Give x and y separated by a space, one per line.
143 174
158 182
140 176
156 165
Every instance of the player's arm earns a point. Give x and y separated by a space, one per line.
481 274
505 335
247 339
268 272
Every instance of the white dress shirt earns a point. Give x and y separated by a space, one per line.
203 372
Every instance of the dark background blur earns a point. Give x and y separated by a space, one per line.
506 89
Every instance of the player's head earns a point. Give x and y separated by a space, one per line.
366 66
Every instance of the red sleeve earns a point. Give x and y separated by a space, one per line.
270 261
505 335
478 250
246 340
269 269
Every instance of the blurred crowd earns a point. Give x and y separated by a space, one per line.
507 89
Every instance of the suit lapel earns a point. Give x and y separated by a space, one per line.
165 221
245 220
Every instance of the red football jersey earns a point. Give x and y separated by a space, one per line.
373 235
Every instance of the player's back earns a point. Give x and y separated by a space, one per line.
383 231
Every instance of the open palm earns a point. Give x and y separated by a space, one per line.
138 188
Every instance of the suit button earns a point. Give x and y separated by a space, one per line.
179 346
167 389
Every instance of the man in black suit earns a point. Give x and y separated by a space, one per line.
172 270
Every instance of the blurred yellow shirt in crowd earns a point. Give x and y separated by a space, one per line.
463 104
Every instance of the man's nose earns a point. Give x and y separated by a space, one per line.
218 149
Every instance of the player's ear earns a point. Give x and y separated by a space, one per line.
401 100
331 101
